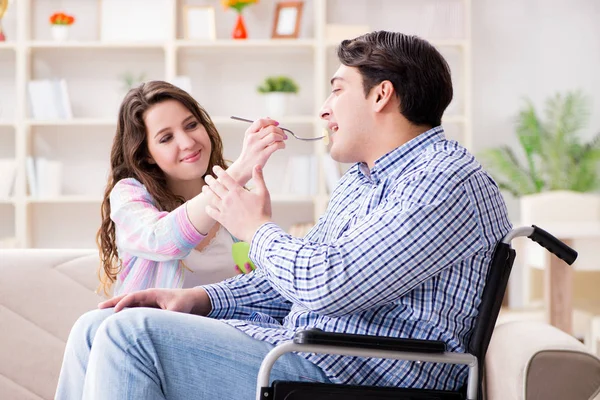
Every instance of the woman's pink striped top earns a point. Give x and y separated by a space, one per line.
151 243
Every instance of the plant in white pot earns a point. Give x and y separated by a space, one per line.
277 90
561 175
60 25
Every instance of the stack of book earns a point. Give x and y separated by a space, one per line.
49 99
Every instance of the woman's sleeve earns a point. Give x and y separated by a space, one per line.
144 231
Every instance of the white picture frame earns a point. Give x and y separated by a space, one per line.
199 23
134 20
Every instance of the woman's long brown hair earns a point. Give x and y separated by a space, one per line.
129 159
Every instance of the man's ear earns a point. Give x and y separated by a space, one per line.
383 94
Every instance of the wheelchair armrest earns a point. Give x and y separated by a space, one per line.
318 342
317 336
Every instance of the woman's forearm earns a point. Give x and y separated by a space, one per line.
196 207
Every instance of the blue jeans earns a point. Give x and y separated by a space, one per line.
145 353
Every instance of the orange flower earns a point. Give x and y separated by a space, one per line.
60 18
237 5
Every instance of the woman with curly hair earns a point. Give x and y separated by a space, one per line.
155 232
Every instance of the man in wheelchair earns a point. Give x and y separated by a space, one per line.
403 251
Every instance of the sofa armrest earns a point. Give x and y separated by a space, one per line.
532 360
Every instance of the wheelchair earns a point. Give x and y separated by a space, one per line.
320 342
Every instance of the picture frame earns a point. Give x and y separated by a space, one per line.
134 20
199 23
288 15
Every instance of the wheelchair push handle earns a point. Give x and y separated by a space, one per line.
553 245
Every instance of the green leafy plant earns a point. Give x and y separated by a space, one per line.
555 158
131 80
278 84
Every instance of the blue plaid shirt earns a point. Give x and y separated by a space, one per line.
402 250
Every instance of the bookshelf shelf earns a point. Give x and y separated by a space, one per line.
224 74
81 122
291 199
247 44
41 45
276 199
288 119
436 42
64 200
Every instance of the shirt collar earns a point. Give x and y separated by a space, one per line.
401 156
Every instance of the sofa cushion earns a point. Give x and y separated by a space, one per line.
42 293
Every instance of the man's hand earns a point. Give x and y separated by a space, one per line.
191 301
241 212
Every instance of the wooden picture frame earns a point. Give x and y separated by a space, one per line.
288 15
199 23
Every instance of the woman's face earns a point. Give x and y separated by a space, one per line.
177 142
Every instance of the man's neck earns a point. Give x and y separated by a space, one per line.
390 136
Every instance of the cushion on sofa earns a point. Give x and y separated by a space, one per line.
42 293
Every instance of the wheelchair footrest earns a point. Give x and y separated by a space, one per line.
284 390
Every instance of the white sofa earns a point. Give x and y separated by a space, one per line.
43 292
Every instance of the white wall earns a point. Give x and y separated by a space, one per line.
530 48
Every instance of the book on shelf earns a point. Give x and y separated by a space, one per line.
8 171
31 176
300 176
49 99
332 172
44 177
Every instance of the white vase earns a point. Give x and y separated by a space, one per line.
276 104
60 33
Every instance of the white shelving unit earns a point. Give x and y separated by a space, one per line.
224 74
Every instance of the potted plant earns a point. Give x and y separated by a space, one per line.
561 173
130 80
277 90
60 25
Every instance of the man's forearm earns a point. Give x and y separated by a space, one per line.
202 303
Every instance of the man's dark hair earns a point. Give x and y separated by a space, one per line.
419 73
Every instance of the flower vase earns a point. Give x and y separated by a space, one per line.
239 31
60 33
